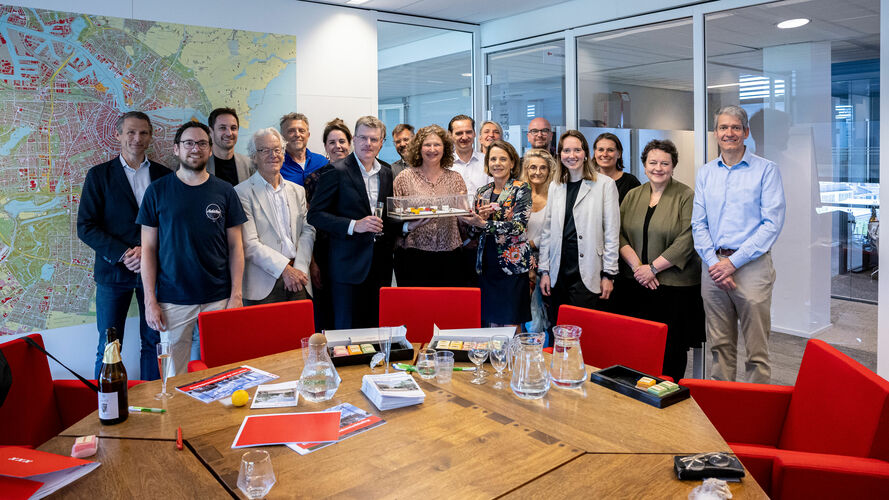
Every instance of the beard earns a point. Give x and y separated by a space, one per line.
196 168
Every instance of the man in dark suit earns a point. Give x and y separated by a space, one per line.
106 221
342 206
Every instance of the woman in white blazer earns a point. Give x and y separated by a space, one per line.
277 239
578 246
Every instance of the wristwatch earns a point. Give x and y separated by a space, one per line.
653 269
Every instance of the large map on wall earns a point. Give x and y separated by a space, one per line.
64 80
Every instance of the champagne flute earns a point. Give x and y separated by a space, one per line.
256 476
378 212
478 354
499 351
164 358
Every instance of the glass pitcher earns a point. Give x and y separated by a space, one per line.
530 379
567 368
319 380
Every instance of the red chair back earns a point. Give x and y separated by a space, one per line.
232 335
838 406
611 339
30 415
419 308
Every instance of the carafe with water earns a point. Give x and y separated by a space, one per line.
567 368
319 380
530 378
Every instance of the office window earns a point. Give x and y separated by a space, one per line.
526 83
637 84
425 77
812 95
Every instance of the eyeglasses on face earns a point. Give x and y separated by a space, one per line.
538 131
189 144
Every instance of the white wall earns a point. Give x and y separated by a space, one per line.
336 76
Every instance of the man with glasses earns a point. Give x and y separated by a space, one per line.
402 135
106 221
299 162
192 254
360 250
224 163
540 134
277 239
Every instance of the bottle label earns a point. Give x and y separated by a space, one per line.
112 353
108 409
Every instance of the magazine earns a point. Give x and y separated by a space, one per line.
276 395
353 420
222 385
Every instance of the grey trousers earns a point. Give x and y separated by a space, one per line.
181 321
748 305
278 294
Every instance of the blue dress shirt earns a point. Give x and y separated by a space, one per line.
739 208
291 170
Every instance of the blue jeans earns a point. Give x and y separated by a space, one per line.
112 304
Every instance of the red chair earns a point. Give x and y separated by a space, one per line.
825 437
611 339
418 308
38 407
232 335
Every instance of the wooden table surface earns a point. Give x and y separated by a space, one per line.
463 441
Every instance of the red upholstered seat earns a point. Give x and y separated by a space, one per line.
37 407
825 437
611 339
419 308
232 335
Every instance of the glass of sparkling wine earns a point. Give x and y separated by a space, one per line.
378 212
164 358
256 476
426 363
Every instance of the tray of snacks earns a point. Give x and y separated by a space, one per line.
460 341
358 346
648 389
406 208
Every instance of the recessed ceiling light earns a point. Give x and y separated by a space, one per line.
793 23
357 2
465 74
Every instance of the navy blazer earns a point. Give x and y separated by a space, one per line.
341 198
106 219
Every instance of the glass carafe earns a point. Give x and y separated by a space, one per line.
530 379
319 380
567 368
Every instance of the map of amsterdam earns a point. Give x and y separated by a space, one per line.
64 80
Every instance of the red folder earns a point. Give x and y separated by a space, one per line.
27 473
283 428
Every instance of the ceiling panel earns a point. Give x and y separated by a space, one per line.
467 11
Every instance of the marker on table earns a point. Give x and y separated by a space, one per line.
179 438
142 409
411 368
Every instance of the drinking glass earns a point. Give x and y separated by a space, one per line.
164 358
478 354
426 363
499 351
385 336
256 476
378 212
444 366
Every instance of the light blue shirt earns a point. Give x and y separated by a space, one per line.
739 208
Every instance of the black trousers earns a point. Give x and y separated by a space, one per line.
358 305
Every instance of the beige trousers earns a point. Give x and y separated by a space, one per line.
181 321
748 305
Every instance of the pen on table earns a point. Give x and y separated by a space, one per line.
142 409
179 438
410 368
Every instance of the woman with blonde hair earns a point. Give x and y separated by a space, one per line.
538 167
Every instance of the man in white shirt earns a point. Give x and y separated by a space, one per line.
468 162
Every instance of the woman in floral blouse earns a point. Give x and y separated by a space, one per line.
504 255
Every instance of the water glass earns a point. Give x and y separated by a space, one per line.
164 358
444 366
426 363
478 354
256 476
499 350
385 337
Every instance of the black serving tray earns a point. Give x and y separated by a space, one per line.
622 379
400 351
460 355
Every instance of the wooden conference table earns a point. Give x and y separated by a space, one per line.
464 441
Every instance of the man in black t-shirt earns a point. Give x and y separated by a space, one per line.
224 163
192 255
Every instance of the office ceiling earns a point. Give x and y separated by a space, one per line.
467 11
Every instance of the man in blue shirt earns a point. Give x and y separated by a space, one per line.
192 254
299 162
738 214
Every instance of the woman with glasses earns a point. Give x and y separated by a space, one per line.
427 252
660 269
538 167
487 134
277 240
581 224
608 158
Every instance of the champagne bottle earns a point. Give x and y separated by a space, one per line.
113 404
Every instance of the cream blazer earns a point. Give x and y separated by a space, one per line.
264 263
597 219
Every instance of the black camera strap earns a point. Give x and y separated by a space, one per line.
86 382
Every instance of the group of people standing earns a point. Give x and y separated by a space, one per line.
562 226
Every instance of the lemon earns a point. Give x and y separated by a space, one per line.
240 397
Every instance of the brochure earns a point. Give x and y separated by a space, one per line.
222 385
276 395
31 473
283 428
392 390
353 420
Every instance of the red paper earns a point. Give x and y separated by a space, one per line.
282 428
14 488
25 462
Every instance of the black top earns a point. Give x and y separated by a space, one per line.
648 215
227 170
626 182
570 266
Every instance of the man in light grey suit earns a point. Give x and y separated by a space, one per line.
277 240
224 163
